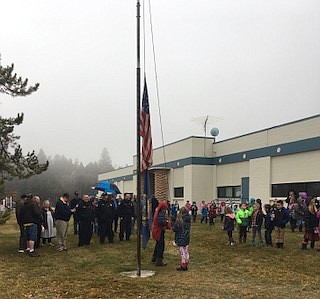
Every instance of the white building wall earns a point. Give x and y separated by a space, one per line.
302 167
231 174
297 131
202 178
259 183
187 182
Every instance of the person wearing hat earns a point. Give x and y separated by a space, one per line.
126 212
105 214
85 216
74 204
63 213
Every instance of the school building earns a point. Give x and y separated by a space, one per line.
264 164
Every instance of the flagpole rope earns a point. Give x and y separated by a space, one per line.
158 94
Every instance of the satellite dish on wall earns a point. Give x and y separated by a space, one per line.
214 132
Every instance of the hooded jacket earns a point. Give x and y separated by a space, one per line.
242 216
182 233
159 221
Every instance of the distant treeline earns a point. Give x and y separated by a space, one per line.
63 175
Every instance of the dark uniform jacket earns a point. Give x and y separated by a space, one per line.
85 212
105 211
126 209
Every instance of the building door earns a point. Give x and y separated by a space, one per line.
245 189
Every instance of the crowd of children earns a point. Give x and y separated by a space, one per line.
252 216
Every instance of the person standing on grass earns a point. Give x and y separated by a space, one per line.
160 224
74 204
63 213
256 224
37 200
126 212
221 210
212 213
194 211
22 238
174 211
29 216
48 223
242 219
85 216
204 214
105 213
116 219
311 224
282 217
268 224
229 224
182 237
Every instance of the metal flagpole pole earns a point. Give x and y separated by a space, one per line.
138 145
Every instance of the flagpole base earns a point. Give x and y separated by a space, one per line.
134 274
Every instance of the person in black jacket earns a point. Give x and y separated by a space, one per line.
37 200
73 205
281 218
63 213
22 239
311 224
29 217
85 216
126 212
268 224
256 223
105 214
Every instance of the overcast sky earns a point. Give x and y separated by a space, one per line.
252 64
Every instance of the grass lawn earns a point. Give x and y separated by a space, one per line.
216 270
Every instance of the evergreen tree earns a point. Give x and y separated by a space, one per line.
105 163
12 161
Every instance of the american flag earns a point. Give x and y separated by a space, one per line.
145 131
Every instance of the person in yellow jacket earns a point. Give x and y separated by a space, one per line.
242 219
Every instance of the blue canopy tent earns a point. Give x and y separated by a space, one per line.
107 187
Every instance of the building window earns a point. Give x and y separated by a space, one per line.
229 192
178 192
281 190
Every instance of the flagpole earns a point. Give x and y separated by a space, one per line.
138 145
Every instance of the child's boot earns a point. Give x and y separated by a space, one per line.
244 240
252 243
318 249
260 243
304 245
154 259
278 245
312 245
240 240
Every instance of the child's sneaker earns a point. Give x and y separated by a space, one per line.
252 243
232 243
21 251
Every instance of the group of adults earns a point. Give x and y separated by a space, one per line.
40 224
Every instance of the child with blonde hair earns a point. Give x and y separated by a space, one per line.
182 237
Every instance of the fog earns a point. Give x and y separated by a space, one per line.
251 64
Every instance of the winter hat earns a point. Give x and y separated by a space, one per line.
252 200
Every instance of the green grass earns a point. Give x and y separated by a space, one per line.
216 270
